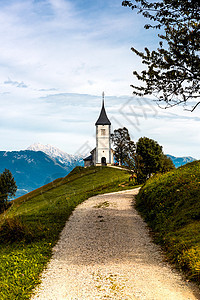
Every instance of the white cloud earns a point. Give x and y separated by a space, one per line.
66 49
67 121
16 83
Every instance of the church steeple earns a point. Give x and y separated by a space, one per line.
103 119
102 155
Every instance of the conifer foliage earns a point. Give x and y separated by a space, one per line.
172 72
8 188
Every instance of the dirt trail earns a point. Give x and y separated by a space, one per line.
105 252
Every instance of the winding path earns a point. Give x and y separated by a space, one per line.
105 252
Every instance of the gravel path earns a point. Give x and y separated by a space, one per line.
105 252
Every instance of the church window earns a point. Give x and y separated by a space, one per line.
103 132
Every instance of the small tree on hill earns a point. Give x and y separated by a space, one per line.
8 188
150 153
123 146
145 158
166 164
151 159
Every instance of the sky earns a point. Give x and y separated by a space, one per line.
56 59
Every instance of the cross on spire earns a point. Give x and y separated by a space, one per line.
103 96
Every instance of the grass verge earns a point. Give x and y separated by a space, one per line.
31 226
170 204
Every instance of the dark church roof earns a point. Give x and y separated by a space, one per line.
103 119
89 158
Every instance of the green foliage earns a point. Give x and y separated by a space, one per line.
166 164
151 159
151 153
144 159
172 71
123 146
8 188
170 203
31 226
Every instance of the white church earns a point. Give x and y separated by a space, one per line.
102 155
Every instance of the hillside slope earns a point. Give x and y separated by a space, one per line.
30 228
170 203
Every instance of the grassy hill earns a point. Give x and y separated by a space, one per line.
31 226
170 204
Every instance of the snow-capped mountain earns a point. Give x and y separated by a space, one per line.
59 155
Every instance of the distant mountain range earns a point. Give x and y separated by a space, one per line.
34 168
180 161
41 164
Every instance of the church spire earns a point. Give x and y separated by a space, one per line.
103 95
103 119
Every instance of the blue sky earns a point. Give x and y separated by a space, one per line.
56 58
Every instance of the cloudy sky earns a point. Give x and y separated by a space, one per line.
56 58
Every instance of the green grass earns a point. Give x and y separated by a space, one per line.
170 204
31 226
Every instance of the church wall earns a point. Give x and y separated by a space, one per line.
94 157
87 163
112 157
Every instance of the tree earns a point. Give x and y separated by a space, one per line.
123 146
150 159
166 164
151 155
145 158
138 168
8 188
172 71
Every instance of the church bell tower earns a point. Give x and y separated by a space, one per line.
103 138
